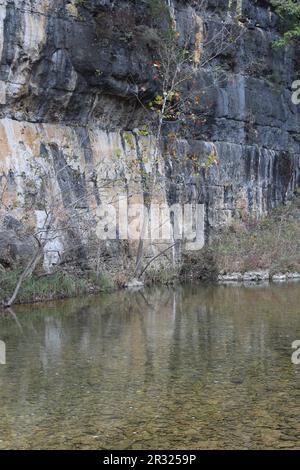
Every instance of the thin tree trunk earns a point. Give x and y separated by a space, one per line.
35 258
140 253
155 257
26 273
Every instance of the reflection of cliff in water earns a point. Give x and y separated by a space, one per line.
192 367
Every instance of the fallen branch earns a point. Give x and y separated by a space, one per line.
155 257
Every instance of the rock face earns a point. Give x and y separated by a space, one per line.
76 77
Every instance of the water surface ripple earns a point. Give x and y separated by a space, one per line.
194 367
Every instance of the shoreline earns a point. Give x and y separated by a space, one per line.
250 252
258 277
248 279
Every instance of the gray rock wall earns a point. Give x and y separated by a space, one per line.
75 77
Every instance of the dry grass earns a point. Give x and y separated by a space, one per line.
270 244
273 243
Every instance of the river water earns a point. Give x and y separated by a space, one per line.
193 367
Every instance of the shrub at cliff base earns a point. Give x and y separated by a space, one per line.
249 245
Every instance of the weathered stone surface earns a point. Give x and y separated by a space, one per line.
251 276
74 79
232 277
15 250
279 277
293 275
256 276
134 284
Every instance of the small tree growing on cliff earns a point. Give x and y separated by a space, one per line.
176 66
59 218
41 235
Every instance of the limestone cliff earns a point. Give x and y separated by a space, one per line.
75 79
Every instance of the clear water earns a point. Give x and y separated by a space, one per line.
187 368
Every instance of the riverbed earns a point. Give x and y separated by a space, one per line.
188 367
